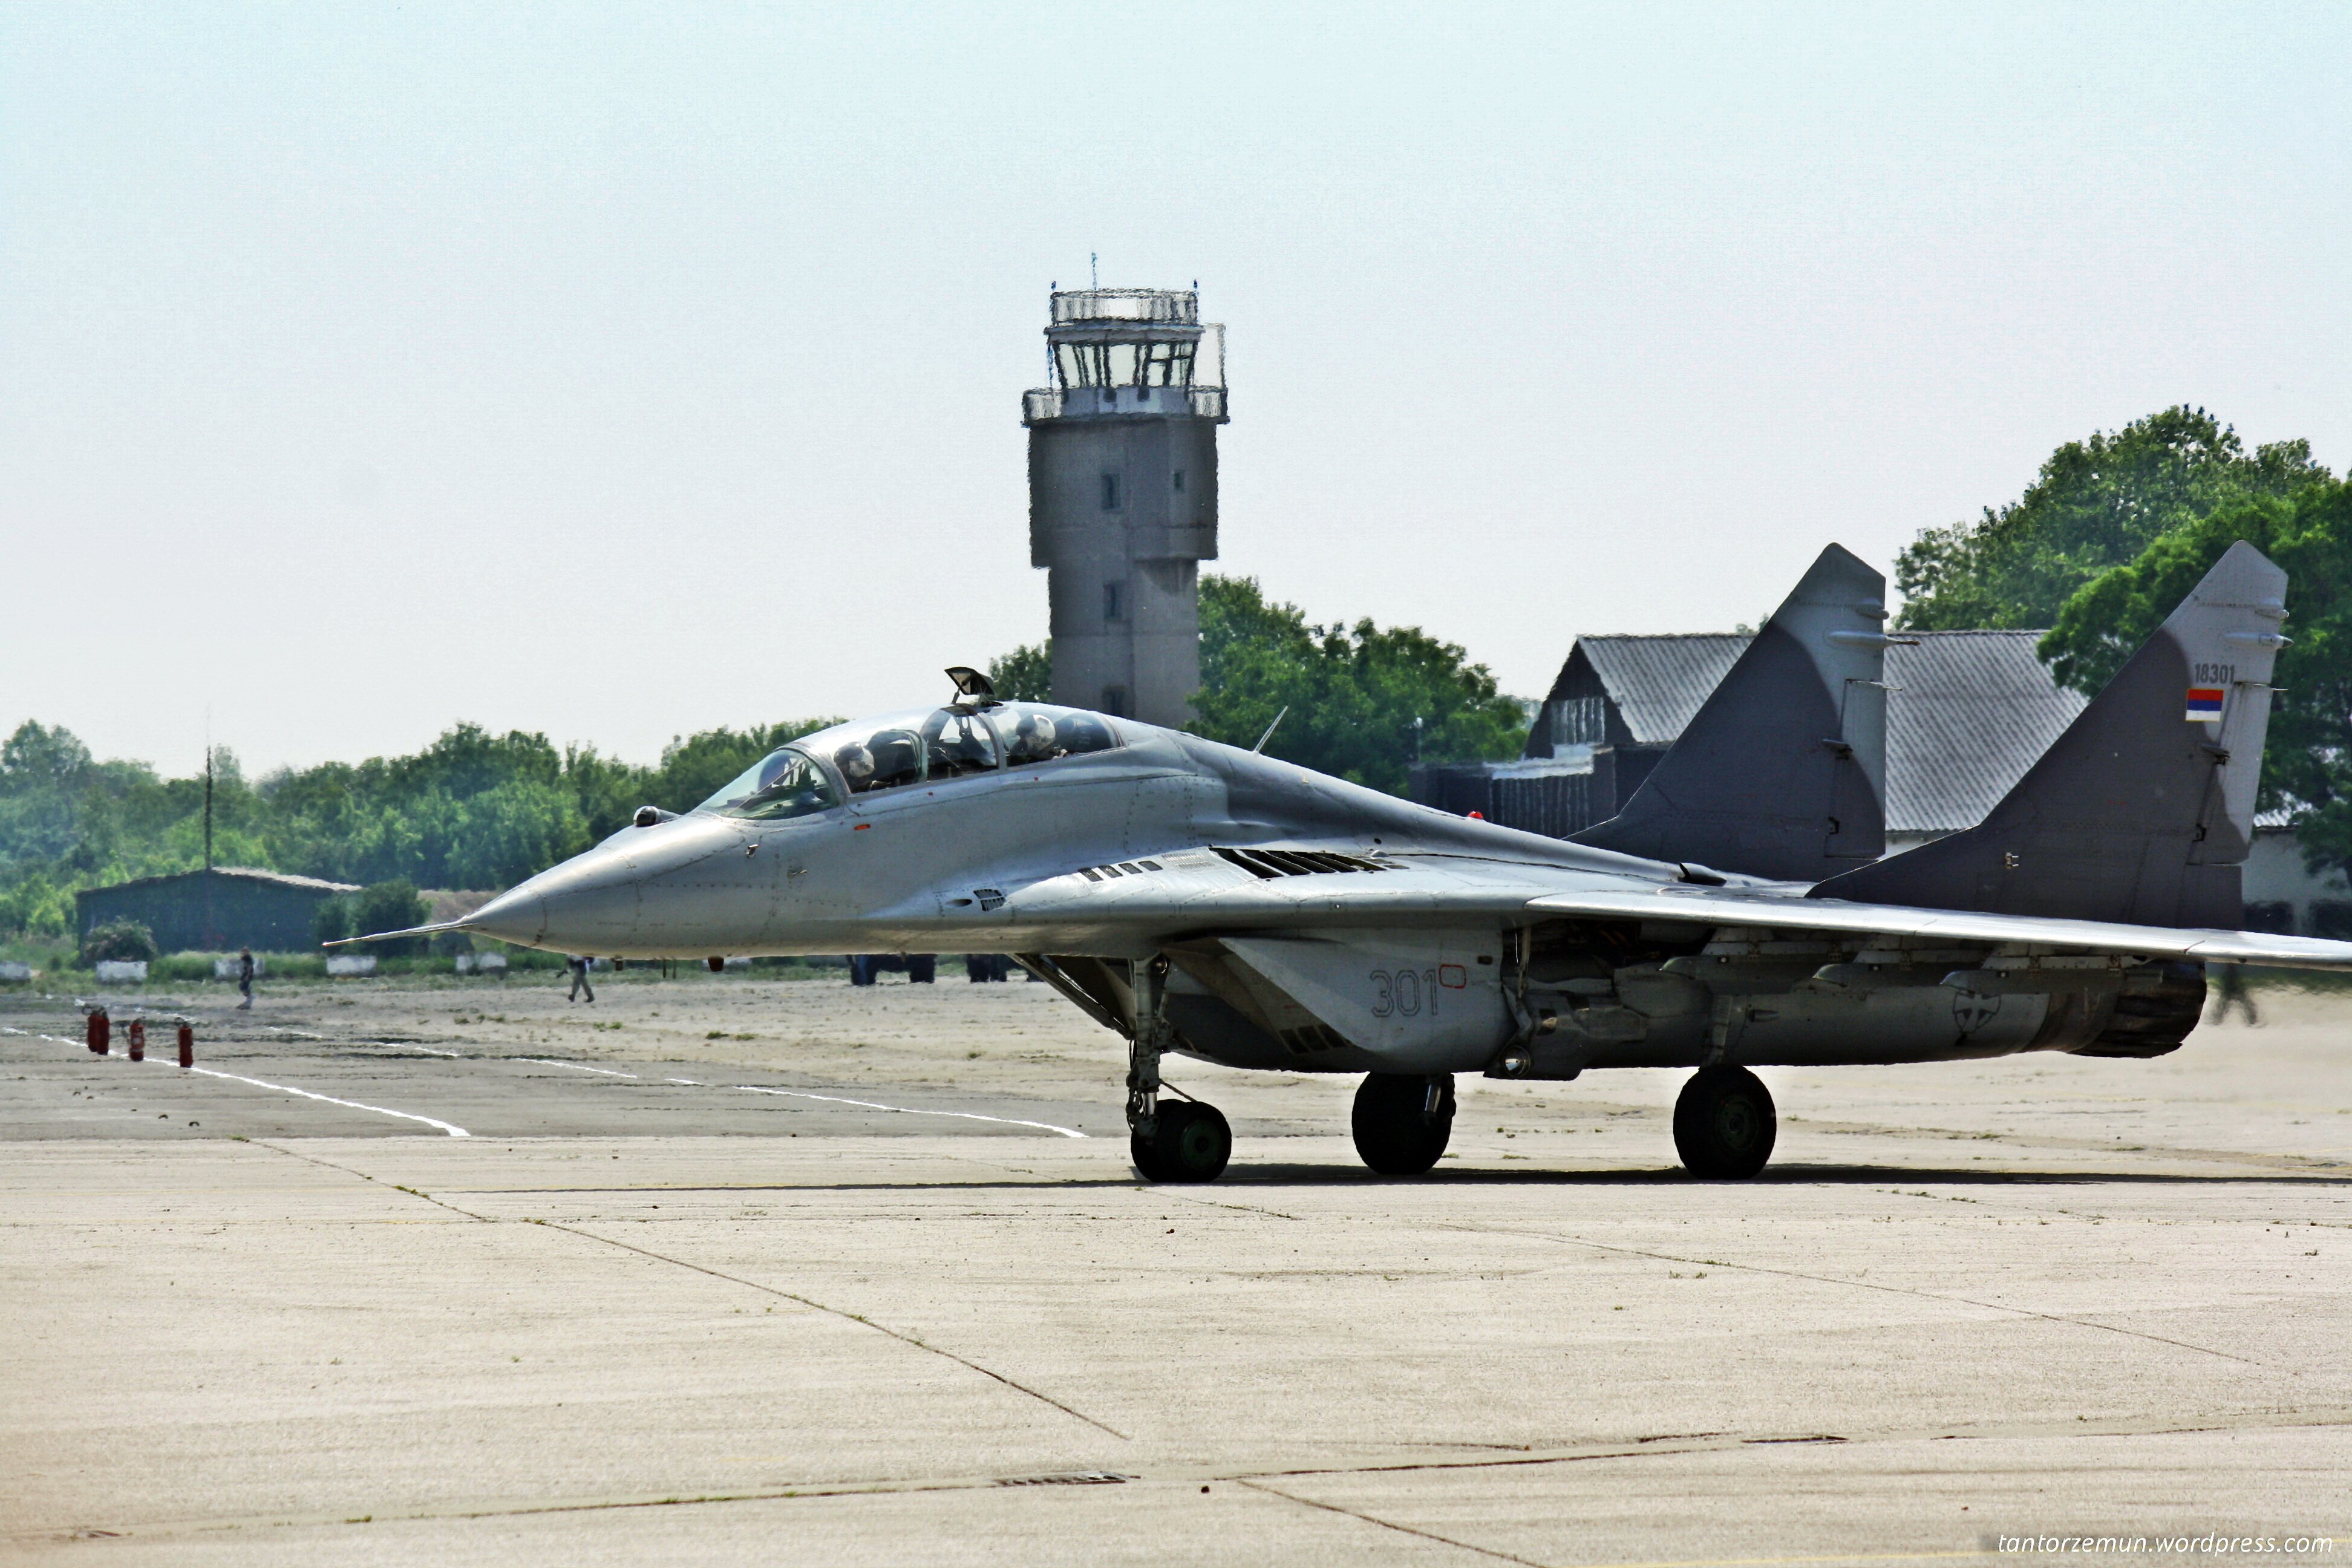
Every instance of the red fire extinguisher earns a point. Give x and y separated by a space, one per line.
101 1031
137 1040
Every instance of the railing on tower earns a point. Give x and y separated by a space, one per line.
1174 306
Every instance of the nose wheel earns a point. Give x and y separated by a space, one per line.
1724 1124
1184 1141
1189 1142
1403 1120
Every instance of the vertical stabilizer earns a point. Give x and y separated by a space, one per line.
1783 771
2143 811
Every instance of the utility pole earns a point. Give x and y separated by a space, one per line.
211 925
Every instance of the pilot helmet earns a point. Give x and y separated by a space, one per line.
855 763
1033 734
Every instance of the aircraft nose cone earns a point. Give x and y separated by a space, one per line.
518 915
590 903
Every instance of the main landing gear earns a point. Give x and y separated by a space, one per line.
1724 1124
1183 1142
1402 1120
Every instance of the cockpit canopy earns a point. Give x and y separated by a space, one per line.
900 749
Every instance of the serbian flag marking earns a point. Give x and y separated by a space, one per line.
2204 703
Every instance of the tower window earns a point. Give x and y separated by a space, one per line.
1114 601
1180 481
1115 702
1111 492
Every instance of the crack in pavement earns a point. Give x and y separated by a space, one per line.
903 1338
1499 1556
1257 1479
1764 1269
1857 1284
363 1175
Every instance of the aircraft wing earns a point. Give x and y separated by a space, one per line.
1736 908
1198 894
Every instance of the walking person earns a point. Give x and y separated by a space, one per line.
2230 990
244 977
579 966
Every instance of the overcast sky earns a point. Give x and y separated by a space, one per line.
620 372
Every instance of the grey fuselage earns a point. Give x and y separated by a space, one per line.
1412 951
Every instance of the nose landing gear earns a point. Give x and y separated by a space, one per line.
1403 1120
1183 1141
1724 1124
1189 1142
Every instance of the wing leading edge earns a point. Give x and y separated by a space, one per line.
1721 907
1200 896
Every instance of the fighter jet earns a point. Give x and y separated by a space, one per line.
1229 907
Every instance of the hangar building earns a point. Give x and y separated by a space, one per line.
226 907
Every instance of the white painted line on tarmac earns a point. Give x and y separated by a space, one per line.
689 1082
53 1039
910 1111
405 1046
575 1066
452 1129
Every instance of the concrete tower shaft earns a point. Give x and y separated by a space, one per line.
1123 495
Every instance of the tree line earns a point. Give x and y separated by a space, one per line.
471 810
2116 530
1360 703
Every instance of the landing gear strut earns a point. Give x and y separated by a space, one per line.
1186 1142
1724 1124
1403 1120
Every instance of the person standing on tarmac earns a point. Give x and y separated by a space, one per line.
579 967
244 977
2230 990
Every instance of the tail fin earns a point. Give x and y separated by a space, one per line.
1783 771
2143 811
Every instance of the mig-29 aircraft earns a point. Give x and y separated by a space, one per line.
1246 911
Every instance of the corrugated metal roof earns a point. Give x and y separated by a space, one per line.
1659 682
243 873
1968 713
1576 758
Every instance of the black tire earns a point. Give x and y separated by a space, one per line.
861 969
922 968
1194 1142
1396 1133
1145 1153
1724 1124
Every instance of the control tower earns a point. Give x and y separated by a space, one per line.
1123 494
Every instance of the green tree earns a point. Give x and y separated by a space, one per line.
512 830
2308 762
1026 674
2096 505
1353 693
606 790
124 940
389 906
694 767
